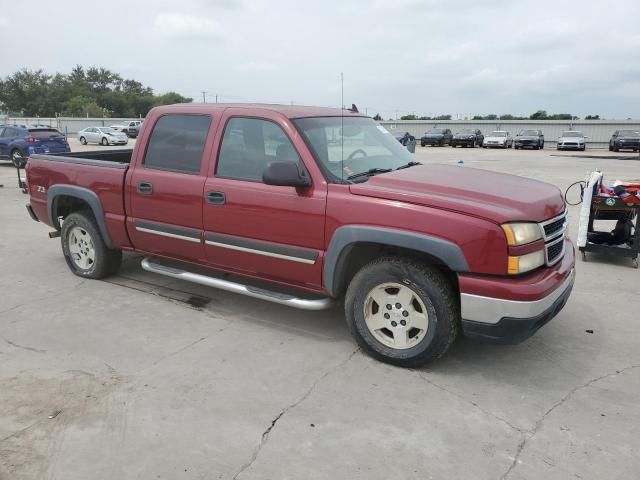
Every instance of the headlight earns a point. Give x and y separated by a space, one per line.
526 263
521 233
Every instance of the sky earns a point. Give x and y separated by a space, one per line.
428 57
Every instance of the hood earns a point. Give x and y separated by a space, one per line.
495 138
628 137
464 135
494 196
527 137
571 139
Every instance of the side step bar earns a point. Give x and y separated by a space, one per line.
255 292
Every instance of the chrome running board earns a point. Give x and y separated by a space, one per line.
255 292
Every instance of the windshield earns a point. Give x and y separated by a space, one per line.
498 134
528 132
107 130
632 133
466 131
437 130
572 134
344 146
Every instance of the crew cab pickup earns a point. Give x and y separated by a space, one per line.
306 207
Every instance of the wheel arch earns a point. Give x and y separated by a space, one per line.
352 247
63 200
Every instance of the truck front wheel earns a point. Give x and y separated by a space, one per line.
85 250
402 311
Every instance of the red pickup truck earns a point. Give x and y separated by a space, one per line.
307 206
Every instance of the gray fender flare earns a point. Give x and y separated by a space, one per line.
85 194
447 252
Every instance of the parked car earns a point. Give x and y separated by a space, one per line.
624 139
498 138
417 252
468 137
17 142
437 136
130 129
404 138
572 140
529 138
102 135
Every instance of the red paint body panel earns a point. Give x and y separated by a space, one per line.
495 196
482 242
462 205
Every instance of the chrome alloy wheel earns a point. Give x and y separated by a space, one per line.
81 248
395 315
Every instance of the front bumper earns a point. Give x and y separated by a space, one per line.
502 320
431 141
462 141
570 146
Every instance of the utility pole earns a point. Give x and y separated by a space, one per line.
216 98
204 97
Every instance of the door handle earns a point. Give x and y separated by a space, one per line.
144 188
215 198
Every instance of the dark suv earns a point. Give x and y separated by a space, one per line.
529 138
17 142
437 136
468 137
620 139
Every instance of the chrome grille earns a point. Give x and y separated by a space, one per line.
554 231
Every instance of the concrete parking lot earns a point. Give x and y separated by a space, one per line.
141 376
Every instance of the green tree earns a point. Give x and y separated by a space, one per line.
592 117
539 115
409 117
443 117
377 117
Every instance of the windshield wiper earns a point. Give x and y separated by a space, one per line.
410 164
368 173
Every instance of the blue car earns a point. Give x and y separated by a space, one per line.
17 142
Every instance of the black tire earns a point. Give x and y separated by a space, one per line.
610 148
516 147
422 144
542 146
433 290
106 261
83 141
104 141
616 149
17 158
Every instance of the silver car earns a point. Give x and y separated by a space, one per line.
572 140
102 135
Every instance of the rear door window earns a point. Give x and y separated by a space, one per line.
177 143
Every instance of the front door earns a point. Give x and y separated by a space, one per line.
265 231
165 189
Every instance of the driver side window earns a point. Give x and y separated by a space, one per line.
248 145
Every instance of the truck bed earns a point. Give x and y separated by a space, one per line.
99 158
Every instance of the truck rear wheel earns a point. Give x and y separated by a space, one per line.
85 250
402 311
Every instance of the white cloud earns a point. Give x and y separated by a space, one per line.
258 66
4 22
182 25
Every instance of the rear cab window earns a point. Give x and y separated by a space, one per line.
177 143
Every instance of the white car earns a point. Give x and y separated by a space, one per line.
130 129
498 138
102 135
572 140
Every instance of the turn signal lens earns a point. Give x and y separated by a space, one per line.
521 233
526 263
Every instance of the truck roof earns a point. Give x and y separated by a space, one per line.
289 111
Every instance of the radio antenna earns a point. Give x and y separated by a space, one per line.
342 126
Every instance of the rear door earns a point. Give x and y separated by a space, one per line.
165 187
265 231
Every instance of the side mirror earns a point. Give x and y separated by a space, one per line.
285 174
